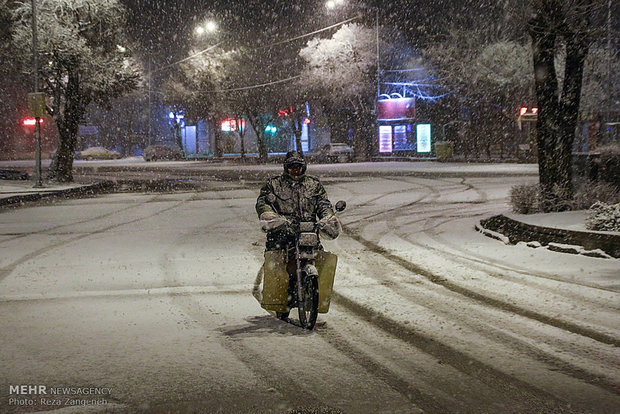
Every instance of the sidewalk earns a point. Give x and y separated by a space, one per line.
21 191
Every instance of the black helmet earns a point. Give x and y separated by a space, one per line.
294 158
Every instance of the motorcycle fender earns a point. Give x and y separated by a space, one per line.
275 282
325 263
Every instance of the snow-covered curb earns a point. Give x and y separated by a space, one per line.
88 189
509 231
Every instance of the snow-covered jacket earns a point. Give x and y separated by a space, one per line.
302 197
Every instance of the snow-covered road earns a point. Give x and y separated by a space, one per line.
150 295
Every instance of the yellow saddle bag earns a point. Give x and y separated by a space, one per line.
275 280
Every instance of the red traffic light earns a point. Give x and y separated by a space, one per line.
31 121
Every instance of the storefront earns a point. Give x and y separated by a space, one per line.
398 132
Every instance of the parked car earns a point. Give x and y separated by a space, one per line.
161 152
98 153
14 175
335 152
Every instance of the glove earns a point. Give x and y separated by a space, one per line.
271 221
330 227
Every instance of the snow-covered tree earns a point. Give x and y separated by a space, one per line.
13 85
122 124
597 92
194 87
82 55
567 29
232 83
559 35
341 71
491 75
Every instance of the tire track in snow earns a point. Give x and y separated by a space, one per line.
434 278
405 388
53 228
266 372
496 303
515 388
446 309
479 262
467 256
434 194
8 269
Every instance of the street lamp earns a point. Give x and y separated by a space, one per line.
209 27
333 3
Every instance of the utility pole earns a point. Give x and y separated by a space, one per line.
378 70
149 86
609 80
37 130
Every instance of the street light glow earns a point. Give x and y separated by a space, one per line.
332 4
211 26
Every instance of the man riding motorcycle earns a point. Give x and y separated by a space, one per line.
289 197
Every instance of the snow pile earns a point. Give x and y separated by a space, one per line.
492 234
573 249
604 217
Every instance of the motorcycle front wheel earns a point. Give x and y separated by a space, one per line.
308 304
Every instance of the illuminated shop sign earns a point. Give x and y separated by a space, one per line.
395 109
385 138
231 124
423 134
403 138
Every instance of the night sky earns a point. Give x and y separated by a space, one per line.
164 29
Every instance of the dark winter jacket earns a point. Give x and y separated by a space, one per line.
302 197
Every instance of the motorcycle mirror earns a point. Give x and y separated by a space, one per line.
341 205
271 198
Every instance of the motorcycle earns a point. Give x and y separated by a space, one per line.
313 280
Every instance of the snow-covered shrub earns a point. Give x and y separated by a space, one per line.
604 217
589 192
609 164
559 199
525 198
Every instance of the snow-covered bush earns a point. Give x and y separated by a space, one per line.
604 217
525 198
609 164
589 192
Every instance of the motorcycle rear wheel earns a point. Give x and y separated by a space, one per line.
308 304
